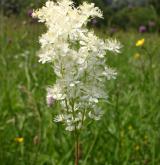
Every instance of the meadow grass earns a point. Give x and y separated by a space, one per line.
128 134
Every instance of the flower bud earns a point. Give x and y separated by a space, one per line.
50 100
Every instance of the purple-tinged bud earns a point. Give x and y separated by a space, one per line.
29 12
50 100
142 29
113 30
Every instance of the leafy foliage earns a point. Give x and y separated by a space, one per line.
123 14
134 17
9 7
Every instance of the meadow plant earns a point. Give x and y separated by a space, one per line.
78 57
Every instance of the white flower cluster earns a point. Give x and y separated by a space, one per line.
78 58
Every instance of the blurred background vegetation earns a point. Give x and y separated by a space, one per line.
124 14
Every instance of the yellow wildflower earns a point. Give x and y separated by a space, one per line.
137 147
130 127
140 42
136 56
19 139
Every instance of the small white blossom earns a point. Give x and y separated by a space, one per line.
55 92
70 128
95 100
78 117
59 118
71 84
96 114
109 73
113 45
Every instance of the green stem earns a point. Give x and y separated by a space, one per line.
83 116
76 147
66 105
76 134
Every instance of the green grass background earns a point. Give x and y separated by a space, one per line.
129 132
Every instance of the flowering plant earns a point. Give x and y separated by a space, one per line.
140 42
78 57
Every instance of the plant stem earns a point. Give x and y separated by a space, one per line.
77 154
76 136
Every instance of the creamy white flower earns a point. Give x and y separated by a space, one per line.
59 118
70 128
78 117
109 73
113 45
56 92
78 58
96 114
95 100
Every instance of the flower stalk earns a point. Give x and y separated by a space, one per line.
78 58
77 148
